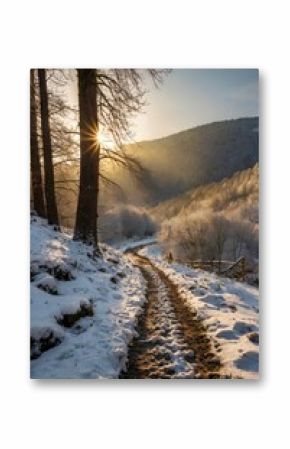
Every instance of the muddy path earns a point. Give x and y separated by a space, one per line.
172 342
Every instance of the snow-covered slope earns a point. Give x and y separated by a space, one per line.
83 309
229 310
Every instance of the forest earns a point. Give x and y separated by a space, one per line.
69 148
144 253
219 221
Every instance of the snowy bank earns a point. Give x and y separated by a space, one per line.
84 309
229 310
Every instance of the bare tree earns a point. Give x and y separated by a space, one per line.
64 143
107 99
36 176
52 214
86 219
238 236
219 227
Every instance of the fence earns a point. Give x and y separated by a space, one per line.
236 269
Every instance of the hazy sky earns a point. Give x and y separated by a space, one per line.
191 97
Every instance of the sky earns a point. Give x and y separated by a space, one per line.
191 97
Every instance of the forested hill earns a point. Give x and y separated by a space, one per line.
236 194
190 158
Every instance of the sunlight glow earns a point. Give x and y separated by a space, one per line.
105 139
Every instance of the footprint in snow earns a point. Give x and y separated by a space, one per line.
214 300
249 361
227 335
242 328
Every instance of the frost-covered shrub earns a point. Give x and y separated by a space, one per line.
190 238
214 221
242 239
207 236
126 222
110 226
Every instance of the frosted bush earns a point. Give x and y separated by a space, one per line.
126 222
208 235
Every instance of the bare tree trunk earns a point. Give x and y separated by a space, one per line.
36 177
86 219
52 214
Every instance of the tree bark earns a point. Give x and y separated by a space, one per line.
52 214
86 219
36 177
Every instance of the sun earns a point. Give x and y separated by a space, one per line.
104 138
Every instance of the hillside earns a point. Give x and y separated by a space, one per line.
84 308
230 194
218 221
171 166
197 156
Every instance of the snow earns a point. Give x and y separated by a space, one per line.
46 282
228 308
135 243
67 279
106 295
163 334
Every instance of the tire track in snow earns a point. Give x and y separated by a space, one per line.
172 342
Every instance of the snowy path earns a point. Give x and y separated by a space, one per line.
229 311
171 341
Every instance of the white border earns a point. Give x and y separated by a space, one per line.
161 34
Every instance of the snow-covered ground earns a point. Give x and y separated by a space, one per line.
83 309
134 243
230 311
